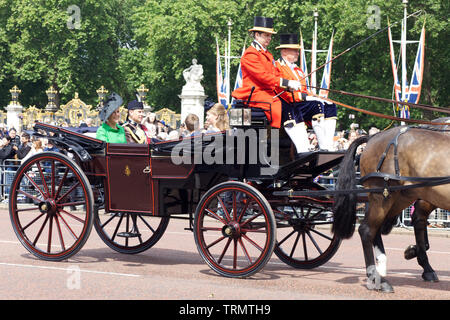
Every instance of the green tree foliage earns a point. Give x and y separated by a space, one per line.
123 43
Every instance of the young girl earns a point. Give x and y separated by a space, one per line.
217 119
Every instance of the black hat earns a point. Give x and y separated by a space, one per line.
288 41
113 103
263 24
133 105
208 104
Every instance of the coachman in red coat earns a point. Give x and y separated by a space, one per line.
259 71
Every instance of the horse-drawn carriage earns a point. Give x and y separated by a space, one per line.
222 183
243 192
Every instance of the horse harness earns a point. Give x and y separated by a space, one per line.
387 189
421 181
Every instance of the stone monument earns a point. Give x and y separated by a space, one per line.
14 111
193 95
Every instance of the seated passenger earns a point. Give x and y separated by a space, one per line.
110 131
300 106
135 132
192 125
217 119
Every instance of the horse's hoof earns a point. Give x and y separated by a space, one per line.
386 287
410 252
379 284
430 276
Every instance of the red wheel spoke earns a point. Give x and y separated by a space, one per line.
33 221
26 209
40 231
210 228
234 205
245 251
67 226
244 209
224 251
234 254
71 215
69 191
61 183
53 179
250 219
44 183
253 230
35 185
214 215
224 208
66 204
61 240
50 230
252 242
215 242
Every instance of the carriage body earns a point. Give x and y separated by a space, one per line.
215 181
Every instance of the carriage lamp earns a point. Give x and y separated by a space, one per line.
15 95
240 117
102 92
51 94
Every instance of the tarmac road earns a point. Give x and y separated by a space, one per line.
173 269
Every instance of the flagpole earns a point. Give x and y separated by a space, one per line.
314 51
229 64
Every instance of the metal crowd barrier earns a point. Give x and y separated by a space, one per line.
439 219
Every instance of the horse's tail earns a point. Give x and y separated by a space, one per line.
344 207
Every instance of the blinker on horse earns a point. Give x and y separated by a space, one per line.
399 166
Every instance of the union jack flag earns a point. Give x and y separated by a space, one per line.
303 64
397 86
327 72
417 76
221 84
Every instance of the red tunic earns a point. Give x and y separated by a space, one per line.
259 71
297 74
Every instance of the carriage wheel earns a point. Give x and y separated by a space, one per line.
234 229
305 240
50 207
129 232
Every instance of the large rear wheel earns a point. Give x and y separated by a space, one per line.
51 206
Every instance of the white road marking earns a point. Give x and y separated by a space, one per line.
65 269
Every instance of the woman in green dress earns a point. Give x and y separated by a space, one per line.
111 131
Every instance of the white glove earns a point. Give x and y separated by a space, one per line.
294 85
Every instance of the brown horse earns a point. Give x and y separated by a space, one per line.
421 152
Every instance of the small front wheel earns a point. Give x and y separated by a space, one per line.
235 229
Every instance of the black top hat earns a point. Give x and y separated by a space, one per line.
113 103
133 105
288 41
263 24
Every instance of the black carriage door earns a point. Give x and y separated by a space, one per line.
130 183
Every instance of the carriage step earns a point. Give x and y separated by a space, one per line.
128 234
